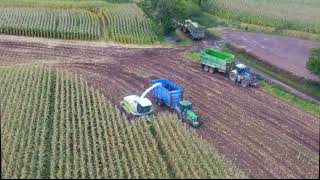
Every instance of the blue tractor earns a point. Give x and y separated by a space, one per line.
242 74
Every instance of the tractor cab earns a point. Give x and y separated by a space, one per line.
144 106
185 105
242 69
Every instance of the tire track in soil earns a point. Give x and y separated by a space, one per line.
262 135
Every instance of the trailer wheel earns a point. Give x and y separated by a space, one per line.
206 68
233 77
212 70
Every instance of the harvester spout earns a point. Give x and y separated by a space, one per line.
149 89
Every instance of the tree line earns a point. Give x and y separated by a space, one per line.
165 11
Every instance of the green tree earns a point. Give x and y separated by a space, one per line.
165 11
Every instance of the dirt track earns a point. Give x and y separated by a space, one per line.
288 53
262 135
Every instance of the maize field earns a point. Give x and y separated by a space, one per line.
54 125
127 24
121 23
51 23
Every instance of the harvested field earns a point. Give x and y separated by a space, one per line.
261 134
287 53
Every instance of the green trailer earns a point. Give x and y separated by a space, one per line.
213 60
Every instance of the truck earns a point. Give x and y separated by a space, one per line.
171 95
196 31
213 60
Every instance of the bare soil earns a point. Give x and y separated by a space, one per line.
262 135
288 53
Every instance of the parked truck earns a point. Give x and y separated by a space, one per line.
171 96
213 60
196 30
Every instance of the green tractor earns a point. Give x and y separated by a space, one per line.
186 114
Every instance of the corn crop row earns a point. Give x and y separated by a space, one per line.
127 24
51 23
188 156
123 23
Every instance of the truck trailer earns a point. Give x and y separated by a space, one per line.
213 60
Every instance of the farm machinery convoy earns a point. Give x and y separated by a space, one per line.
166 93
213 60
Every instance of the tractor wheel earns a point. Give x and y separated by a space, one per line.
233 77
212 70
206 68
245 83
